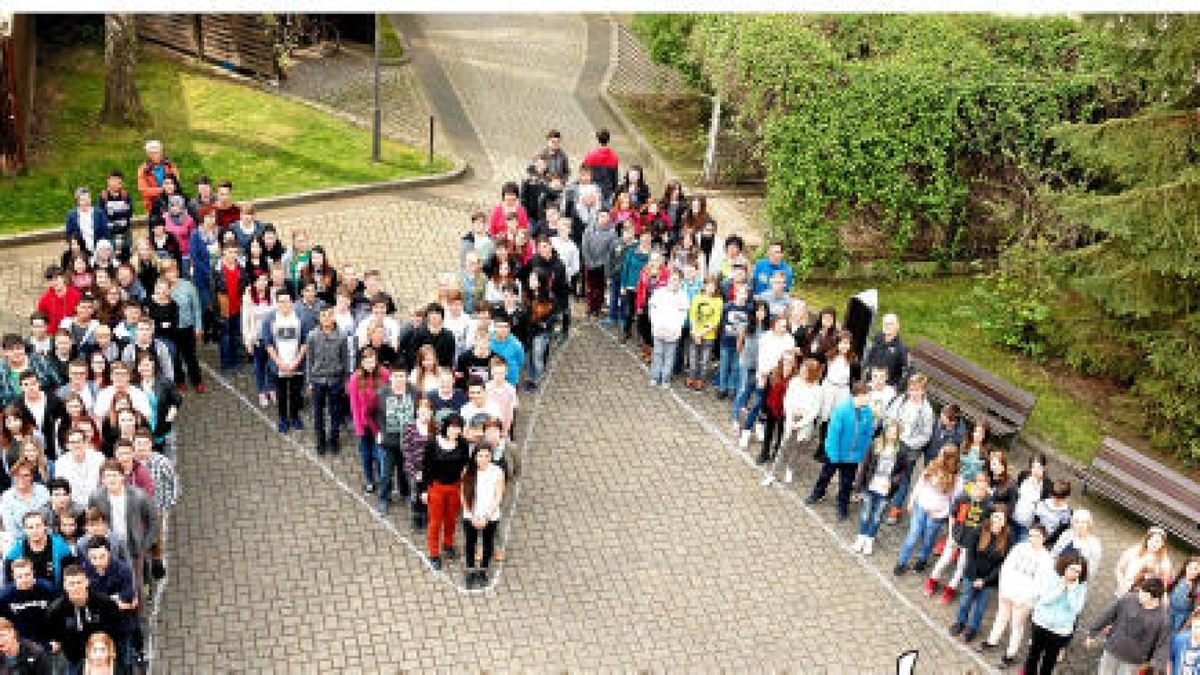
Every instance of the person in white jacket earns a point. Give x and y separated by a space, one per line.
667 309
771 346
802 411
1022 574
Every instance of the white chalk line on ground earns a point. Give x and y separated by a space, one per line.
713 430
151 643
441 575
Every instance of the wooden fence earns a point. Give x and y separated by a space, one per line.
236 41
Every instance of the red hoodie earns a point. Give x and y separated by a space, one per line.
601 156
56 307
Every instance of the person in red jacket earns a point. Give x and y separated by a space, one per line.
602 160
151 173
509 204
58 302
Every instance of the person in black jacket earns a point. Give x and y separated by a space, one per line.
982 575
77 615
432 332
445 458
19 656
549 292
888 349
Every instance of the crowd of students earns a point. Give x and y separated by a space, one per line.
91 396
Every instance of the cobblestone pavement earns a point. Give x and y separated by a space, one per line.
640 539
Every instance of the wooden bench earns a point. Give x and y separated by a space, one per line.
980 394
1146 487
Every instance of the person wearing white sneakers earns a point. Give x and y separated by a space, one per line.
771 347
802 412
880 477
668 309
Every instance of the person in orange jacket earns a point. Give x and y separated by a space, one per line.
151 173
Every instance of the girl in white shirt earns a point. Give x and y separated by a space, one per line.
1021 575
482 489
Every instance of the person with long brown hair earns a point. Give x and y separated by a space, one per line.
1147 557
931 508
802 412
363 391
984 561
773 411
416 436
482 492
1184 593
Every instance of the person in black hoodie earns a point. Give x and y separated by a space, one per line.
432 332
25 601
118 206
77 615
549 292
20 656
982 575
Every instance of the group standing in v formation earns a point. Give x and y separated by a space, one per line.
430 395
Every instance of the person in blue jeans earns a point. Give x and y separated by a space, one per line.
748 370
982 575
881 473
931 508
735 321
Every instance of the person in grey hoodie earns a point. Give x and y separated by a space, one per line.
327 360
598 241
1138 629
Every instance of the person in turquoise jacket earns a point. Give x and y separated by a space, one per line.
631 271
846 443
36 538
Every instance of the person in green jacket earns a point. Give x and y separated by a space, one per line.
631 271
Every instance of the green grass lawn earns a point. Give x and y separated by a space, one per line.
675 126
209 125
938 309
390 46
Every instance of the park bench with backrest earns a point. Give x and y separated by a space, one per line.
979 393
1146 487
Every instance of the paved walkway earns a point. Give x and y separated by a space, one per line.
639 538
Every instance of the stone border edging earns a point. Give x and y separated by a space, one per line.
454 173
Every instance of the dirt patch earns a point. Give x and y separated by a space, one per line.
675 124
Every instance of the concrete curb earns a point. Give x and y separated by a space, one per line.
658 164
460 167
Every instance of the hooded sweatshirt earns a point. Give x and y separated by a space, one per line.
1138 634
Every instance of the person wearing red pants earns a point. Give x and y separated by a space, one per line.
446 457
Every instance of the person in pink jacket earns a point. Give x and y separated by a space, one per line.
361 389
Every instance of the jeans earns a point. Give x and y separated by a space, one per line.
390 473
616 308
746 382
325 406
759 396
536 363
628 310
728 371
264 379
367 451
901 495
291 390
1043 651
230 344
662 360
698 355
973 605
472 536
870 514
924 528
845 471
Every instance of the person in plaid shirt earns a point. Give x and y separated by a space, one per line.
166 491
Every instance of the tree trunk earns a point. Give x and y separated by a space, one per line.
122 104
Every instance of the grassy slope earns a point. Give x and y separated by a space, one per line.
937 309
265 144
390 46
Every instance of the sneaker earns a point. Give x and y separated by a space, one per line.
449 553
1007 661
842 516
986 646
948 594
273 395
930 588
787 475
435 562
858 543
335 445
768 478
956 629
157 569
381 508
666 385
868 545
369 488
200 388
297 424
722 395
760 431
969 635
321 447
481 579
899 570
283 427
893 516
920 565
263 400
470 580
813 499
744 441
653 382
181 387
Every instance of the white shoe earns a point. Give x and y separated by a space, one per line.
759 431
666 385
858 542
263 400
787 475
868 545
768 478
653 383
744 441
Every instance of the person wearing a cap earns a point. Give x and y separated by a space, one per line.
151 173
86 223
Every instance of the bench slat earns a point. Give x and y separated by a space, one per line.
1189 499
1181 484
998 424
1146 487
1180 527
1135 482
990 385
958 388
